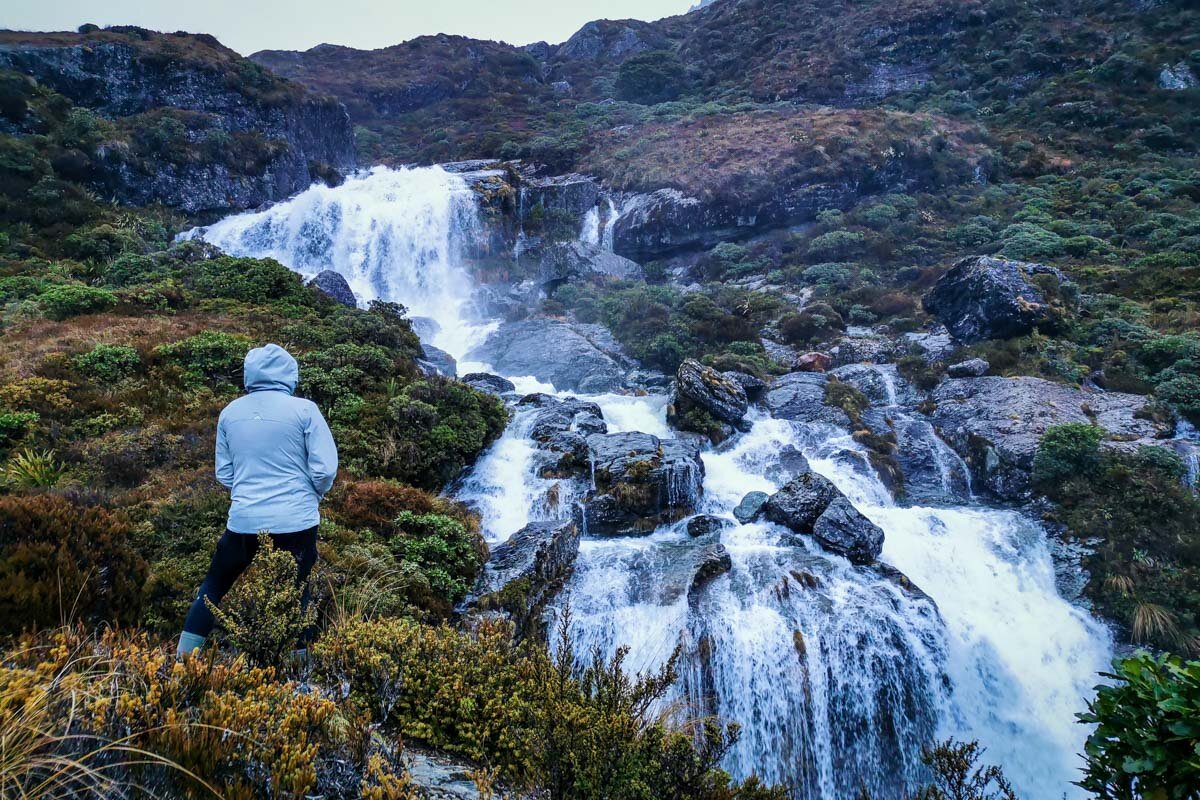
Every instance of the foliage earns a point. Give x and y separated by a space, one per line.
957 775
1065 451
32 469
209 357
655 76
64 559
267 612
446 553
1147 733
107 364
71 300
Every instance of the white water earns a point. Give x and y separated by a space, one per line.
837 675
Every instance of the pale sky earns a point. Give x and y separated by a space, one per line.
247 25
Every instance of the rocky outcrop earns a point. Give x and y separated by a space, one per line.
704 387
436 361
334 286
811 504
800 397
487 382
559 427
995 424
971 368
983 298
551 351
753 386
843 529
1177 78
641 481
750 507
525 572
566 261
285 137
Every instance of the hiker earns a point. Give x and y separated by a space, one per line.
277 457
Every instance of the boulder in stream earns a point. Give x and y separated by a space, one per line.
525 572
722 397
712 561
844 530
552 351
641 481
704 524
750 507
487 382
801 501
334 286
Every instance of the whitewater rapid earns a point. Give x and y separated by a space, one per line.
837 674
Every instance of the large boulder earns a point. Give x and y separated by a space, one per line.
566 261
800 397
552 351
487 382
559 427
436 361
995 424
641 481
843 529
334 286
720 396
525 572
801 502
704 524
983 297
750 507
712 561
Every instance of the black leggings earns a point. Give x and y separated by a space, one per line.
234 553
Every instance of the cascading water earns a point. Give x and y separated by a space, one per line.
838 674
393 234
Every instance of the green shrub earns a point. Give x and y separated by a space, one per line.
1066 451
1181 392
957 774
1147 733
14 425
210 357
250 280
108 363
652 77
446 553
72 300
835 244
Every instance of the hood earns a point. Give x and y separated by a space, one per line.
271 369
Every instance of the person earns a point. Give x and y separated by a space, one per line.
277 457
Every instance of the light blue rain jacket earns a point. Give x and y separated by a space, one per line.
274 451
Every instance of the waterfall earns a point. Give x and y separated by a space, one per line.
838 674
393 234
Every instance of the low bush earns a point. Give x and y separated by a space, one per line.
108 364
210 357
62 559
72 300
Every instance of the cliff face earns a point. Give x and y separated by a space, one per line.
190 124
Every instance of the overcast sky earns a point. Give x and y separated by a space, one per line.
249 25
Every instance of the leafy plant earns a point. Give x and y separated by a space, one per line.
33 469
71 300
1147 736
957 774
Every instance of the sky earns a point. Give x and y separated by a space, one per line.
250 25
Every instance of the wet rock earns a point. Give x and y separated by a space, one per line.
843 529
571 194
864 346
437 361
713 560
791 463
1177 78
525 572
698 385
704 524
425 327
750 507
551 351
641 481
893 575
800 397
121 79
559 429
995 424
567 261
935 345
487 382
754 387
813 362
879 383
983 298
971 368
779 352
801 502
334 286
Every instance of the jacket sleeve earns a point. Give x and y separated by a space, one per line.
322 452
224 460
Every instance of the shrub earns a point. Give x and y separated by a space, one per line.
1181 392
447 553
63 559
1066 451
32 469
209 357
250 280
957 775
652 77
14 425
1147 730
835 244
72 300
108 363
266 614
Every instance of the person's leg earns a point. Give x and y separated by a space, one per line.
234 553
303 547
